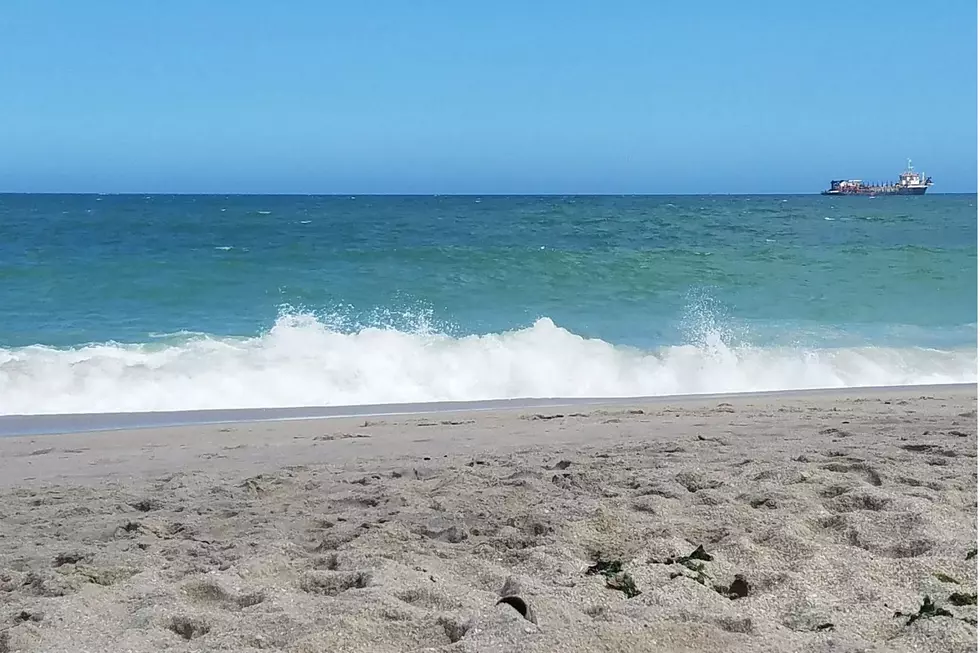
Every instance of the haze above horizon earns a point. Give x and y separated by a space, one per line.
459 195
426 98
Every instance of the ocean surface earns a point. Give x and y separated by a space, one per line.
148 303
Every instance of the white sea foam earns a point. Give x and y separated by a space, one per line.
302 361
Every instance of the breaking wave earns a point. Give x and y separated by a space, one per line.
303 361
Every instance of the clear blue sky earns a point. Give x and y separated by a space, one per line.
454 97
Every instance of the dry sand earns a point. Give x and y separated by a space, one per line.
822 516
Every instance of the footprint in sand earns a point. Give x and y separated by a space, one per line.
332 583
210 592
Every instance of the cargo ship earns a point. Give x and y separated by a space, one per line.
909 182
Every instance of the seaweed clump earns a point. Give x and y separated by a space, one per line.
616 578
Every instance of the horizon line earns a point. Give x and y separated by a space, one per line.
466 194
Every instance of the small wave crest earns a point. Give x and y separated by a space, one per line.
306 361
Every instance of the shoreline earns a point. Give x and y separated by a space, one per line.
70 423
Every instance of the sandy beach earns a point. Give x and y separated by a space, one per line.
805 522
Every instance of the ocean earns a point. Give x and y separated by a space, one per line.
150 303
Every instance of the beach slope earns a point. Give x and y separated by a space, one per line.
801 522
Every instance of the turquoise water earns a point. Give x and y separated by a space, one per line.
178 302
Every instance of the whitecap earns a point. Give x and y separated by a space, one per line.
304 361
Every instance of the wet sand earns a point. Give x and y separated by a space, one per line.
799 522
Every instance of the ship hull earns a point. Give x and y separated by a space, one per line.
880 191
